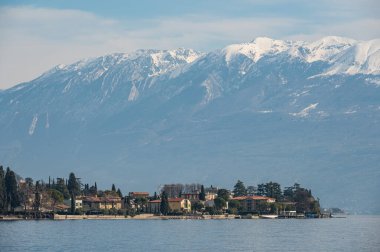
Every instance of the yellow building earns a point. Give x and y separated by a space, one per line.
179 205
102 202
175 205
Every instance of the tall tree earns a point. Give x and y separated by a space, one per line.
93 190
164 206
220 203
74 188
251 190
37 197
273 190
261 189
113 188
3 198
202 194
224 193
119 193
56 196
12 198
155 196
239 189
25 192
62 187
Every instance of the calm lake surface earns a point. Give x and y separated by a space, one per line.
354 233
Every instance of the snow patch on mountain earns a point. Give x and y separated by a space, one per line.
345 56
265 111
326 48
213 88
33 124
133 94
361 58
169 60
256 49
306 111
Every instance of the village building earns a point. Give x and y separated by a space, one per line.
211 203
78 203
98 203
179 205
154 206
210 196
251 203
175 205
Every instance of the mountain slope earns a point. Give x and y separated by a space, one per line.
289 111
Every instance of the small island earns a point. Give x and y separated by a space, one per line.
62 198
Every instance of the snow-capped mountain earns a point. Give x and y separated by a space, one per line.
290 111
346 56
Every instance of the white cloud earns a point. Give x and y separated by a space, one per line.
35 39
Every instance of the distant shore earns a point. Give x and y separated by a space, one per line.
141 217
119 217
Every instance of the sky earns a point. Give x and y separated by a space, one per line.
38 35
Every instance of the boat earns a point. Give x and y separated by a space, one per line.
269 216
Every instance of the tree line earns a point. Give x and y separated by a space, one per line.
14 194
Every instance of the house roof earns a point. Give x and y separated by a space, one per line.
139 193
102 199
91 199
169 200
61 206
255 197
175 199
155 201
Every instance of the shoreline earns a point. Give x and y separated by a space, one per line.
120 217
60 217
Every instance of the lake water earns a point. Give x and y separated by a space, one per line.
355 233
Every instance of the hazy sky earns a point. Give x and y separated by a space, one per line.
37 35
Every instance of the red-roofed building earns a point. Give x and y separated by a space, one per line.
250 203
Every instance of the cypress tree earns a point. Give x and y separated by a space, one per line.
96 189
119 193
74 188
12 199
164 205
202 195
2 190
113 188
37 197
